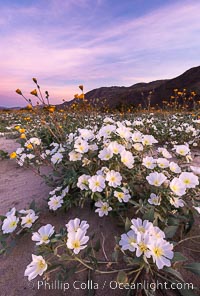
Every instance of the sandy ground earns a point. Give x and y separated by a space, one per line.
18 187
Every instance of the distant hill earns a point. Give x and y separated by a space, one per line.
138 93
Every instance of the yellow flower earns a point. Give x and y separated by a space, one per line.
23 136
22 130
17 127
76 96
51 109
18 91
13 155
34 92
29 146
81 96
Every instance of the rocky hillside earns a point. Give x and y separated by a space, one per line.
138 93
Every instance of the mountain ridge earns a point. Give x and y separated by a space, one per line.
137 93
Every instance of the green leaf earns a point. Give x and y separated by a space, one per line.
32 205
193 267
97 246
178 257
173 221
127 224
149 215
115 255
122 277
90 290
186 292
174 273
170 231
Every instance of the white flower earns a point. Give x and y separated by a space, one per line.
43 235
35 141
56 158
11 212
55 202
156 179
127 159
143 241
19 150
30 156
182 149
86 134
138 147
96 183
154 199
105 154
128 241
137 137
124 132
189 179
177 202
81 147
178 187
195 169
103 208
161 252
114 178
163 163
115 148
75 224
149 162
37 267
28 220
25 212
74 156
148 140
10 223
55 190
77 241
122 195
140 226
93 147
83 182
174 167
65 191
106 131
164 152
157 233
197 209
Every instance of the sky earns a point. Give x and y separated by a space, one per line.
65 43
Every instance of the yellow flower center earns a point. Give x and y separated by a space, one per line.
45 238
143 247
104 208
40 265
158 252
112 179
141 229
132 241
76 244
120 195
29 221
13 224
186 181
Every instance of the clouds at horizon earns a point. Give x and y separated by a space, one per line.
95 43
